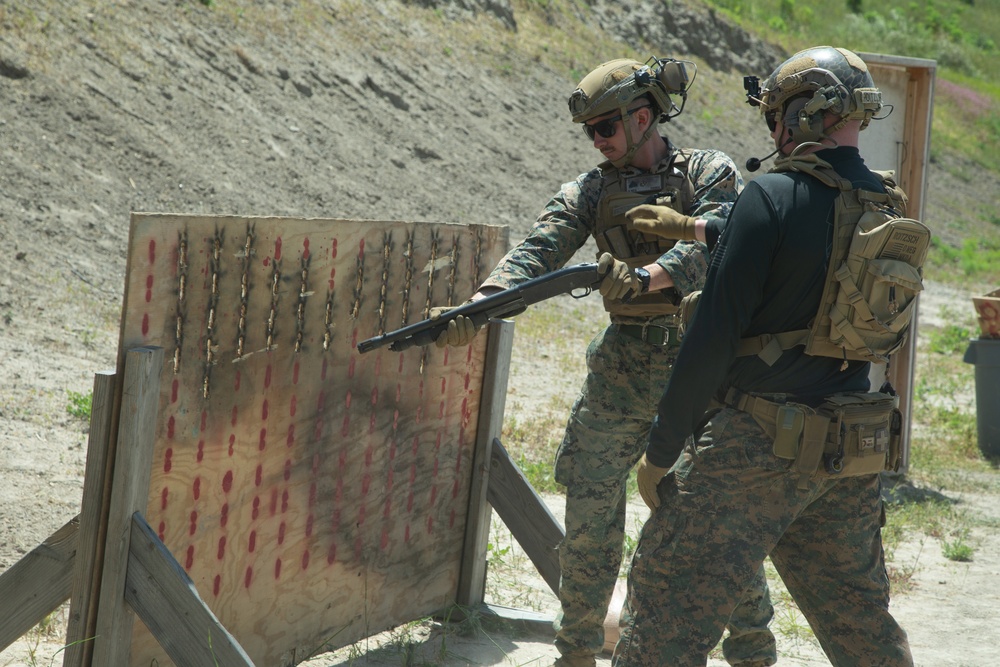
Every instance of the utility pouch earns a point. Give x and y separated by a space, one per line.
814 432
864 435
895 441
789 422
618 241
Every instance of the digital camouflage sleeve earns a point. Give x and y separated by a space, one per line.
569 218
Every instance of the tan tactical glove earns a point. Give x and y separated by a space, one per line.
619 280
460 331
662 221
648 476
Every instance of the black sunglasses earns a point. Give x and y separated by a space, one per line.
607 128
771 117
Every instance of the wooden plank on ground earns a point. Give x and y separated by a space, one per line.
38 583
165 599
130 492
93 523
472 580
531 620
525 514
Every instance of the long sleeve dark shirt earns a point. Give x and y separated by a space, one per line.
766 276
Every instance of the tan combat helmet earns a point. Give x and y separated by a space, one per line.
818 81
617 83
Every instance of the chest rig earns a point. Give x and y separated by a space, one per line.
620 192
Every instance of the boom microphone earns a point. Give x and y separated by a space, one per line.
753 164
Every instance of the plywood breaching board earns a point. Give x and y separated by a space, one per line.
314 495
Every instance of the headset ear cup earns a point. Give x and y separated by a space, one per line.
815 125
841 107
802 125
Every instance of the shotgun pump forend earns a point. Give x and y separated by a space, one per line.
578 281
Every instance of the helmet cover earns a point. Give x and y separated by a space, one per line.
832 80
613 85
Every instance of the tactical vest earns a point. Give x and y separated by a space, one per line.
619 193
873 279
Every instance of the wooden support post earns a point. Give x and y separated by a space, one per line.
140 397
38 583
165 599
50 573
93 523
472 580
526 515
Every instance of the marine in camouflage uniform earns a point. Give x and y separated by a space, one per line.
631 360
731 500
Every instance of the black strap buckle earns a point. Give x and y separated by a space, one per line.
653 334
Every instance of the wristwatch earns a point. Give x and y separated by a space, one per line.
643 276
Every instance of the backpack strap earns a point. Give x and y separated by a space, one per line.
810 164
770 346
682 162
896 195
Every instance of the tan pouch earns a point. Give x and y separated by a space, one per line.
789 423
814 435
861 434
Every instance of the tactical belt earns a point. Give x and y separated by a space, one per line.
813 432
755 406
653 334
851 434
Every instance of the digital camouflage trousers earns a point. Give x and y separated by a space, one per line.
725 510
606 435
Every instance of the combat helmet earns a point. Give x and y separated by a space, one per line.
614 85
816 82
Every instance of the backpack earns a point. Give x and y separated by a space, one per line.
873 279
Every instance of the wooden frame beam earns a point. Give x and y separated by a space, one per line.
166 600
93 524
525 514
472 578
38 583
140 398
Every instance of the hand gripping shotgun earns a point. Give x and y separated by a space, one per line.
578 281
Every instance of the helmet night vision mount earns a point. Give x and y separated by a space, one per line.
615 84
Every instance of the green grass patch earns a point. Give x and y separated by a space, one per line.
952 339
532 442
967 120
958 549
976 259
80 405
952 442
961 36
933 516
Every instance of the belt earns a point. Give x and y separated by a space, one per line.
654 334
757 406
765 412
